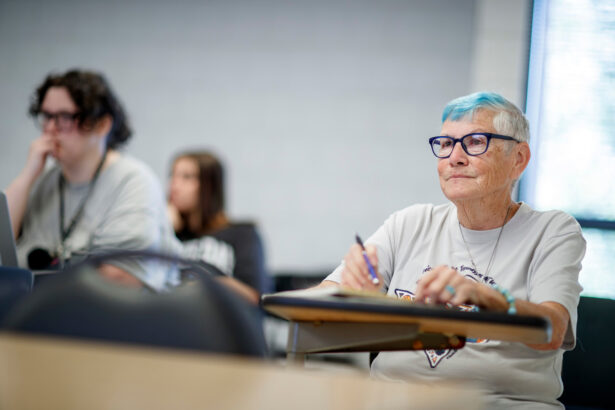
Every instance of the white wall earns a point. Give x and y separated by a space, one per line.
320 109
501 42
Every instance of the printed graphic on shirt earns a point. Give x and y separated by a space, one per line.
213 251
435 357
404 294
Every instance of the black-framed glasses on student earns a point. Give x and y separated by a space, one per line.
65 121
473 144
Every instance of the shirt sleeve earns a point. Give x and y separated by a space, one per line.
133 221
554 271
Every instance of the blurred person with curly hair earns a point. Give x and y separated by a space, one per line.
92 198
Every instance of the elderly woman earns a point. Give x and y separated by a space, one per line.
481 250
93 198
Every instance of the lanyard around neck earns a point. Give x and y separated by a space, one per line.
64 233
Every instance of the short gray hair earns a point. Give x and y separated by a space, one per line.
509 120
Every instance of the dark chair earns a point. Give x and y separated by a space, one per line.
588 371
198 315
15 283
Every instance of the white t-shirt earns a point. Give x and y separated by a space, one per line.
126 210
538 259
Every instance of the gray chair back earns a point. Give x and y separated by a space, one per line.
15 283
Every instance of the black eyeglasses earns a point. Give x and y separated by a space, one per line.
473 144
65 121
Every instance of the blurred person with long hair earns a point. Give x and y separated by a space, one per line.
196 209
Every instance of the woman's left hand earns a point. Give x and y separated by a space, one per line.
444 284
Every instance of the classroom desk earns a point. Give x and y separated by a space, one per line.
352 324
52 373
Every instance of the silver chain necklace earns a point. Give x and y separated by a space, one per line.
495 247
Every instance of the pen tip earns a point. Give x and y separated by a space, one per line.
358 239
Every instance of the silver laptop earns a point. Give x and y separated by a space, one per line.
8 251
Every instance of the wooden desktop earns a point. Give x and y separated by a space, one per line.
52 373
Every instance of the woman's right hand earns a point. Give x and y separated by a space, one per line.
355 274
40 149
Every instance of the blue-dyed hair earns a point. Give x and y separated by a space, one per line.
509 120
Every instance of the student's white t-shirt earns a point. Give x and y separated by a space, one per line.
538 259
126 210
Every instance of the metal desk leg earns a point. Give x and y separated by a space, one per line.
295 358
292 355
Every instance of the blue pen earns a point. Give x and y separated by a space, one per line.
372 272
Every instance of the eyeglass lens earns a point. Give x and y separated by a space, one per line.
64 121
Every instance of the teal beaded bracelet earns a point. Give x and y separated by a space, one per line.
512 309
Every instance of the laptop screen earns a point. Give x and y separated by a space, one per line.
8 252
